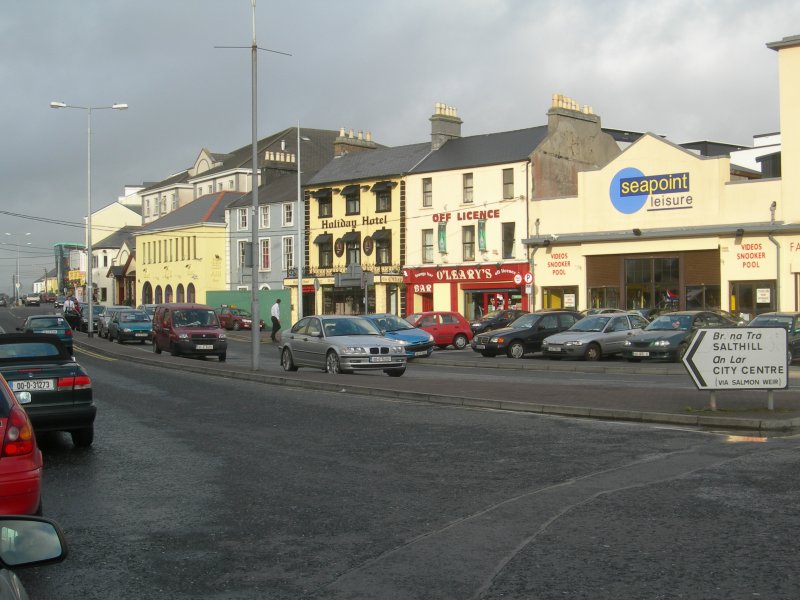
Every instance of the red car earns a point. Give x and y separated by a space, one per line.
236 318
447 328
20 458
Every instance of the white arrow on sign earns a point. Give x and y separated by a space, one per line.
739 358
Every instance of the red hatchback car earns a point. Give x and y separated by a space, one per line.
20 459
447 328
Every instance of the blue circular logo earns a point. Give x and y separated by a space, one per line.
626 204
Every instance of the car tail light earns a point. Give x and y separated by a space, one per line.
69 331
78 382
19 438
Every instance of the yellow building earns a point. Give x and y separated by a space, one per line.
661 227
183 255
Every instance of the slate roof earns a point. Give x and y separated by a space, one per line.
205 209
117 239
369 164
282 188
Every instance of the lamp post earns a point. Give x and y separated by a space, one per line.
300 228
16 281
89 288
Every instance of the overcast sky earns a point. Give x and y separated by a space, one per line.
688 69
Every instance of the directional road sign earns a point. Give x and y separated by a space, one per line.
739 358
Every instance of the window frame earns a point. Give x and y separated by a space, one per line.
427 258
467 181
467 245
508 184
427 192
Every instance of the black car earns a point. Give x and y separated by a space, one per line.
525 334
668 336
51 386
789 321
495 320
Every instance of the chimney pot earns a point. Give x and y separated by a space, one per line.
341 132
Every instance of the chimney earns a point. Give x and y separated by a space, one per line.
445 125
347 142
564 107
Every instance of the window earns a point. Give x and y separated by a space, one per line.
427 245
242 254
288 214
383 252
263 212
325 204
508 184
353 252
427 192
508 240
326 255
243 219
468 242
230 184
210 189
174 202
219 186
383 201
288 252
163 205
105 260
146 208
264 252
353 202
467 188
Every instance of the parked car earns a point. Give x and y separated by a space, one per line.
190 329
20 458
97 310
600 311
668 336
495 320
51 324
32 300
595 336
789 321
341 344
447 328
104 318
59 301
54 389
26 542
418 343
48 297
130 325
3 301
234 318
526 334
150 309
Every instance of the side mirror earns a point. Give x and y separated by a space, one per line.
28 541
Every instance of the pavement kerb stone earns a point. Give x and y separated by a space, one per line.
754 424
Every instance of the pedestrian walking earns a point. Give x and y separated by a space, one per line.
276 318
72 312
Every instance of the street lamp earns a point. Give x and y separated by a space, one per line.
300 218
89 109
16 282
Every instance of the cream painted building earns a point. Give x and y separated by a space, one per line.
662 227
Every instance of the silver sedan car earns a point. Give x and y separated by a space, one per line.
593 337
341 344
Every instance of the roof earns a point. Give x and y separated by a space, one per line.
488 149
369 164
277 189
118 238
205 209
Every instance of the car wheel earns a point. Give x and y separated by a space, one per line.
173 349
286 360
82 438
394 372
680 352
332 364
223 357
460 341
593 352
516 350
236 326
156 349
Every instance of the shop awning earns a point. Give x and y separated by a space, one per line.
323 193
349 189
383 186
323 238
382 234
351 236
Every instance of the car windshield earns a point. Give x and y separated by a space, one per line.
671 323
195 318
412 318
491 315
47 323
134 316
27 350
772 321
594 323
241 312
525 321
391 323
353 326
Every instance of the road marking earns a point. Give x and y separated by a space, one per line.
95 355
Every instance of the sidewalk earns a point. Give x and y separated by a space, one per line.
741 410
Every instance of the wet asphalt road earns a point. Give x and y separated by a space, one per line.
200 487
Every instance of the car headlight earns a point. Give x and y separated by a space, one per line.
126 330
397 350
222 336
661 343
574 343
627 343
497 340
430 337
354 350
183 336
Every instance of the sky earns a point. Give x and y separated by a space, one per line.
686 69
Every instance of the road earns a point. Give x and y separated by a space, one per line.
201 487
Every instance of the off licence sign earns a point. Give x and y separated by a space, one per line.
739 358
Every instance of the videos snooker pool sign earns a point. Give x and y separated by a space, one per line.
739 358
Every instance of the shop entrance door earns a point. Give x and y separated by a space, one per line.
751 298
494 301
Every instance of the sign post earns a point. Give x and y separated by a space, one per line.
742 358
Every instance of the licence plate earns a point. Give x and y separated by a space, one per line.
480 346
640 353
53 331
554 348
380 359
421 353
141 334
205 346
33 385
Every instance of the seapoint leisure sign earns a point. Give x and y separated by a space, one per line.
739 358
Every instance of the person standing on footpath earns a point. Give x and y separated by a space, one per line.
276 318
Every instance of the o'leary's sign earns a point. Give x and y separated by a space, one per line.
631 190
